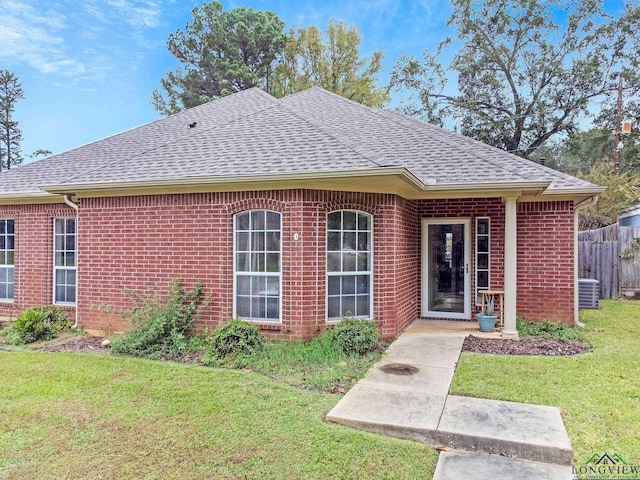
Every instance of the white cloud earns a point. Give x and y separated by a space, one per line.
76 41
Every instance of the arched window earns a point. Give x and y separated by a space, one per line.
257 265
349 264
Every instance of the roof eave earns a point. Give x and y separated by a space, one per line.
16 198
394 180
220 183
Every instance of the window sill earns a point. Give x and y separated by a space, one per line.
271 326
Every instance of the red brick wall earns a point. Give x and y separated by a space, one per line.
33 261
545 251
473 208
141 243
545 261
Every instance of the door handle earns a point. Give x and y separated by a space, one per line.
466 268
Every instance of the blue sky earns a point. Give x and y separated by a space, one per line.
88 67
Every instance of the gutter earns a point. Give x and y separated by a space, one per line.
576 210
74 205
222 180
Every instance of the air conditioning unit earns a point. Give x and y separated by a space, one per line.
588 293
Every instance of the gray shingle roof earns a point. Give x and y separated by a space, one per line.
252 133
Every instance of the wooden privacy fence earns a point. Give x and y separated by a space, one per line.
599 258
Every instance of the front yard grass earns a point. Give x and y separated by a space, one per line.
69 416
597 392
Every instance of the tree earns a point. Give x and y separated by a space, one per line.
41 152
332 62
527 70
221 53
580 151
623 190
10 135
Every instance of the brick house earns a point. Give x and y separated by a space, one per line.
292 212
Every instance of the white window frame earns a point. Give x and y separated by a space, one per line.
356 272
65 268
250 251
478 300
9 268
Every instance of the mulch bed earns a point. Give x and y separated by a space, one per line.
524 346
498 346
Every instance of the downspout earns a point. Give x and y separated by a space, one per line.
576 210
74 205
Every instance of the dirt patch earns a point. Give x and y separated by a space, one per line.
84 344
524 346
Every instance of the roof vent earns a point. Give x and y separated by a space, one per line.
542 160
193 124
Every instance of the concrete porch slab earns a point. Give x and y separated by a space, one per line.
391 411
532 432
457 464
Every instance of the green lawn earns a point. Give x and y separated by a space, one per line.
598 392
68 416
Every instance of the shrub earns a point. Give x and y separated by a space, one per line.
160 322
356 337
548 329
36 323
235 339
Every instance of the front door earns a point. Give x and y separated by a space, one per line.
446 284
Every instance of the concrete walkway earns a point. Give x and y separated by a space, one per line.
405 395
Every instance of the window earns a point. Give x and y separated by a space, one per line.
64 260
7 246
482 257
349 279
257 265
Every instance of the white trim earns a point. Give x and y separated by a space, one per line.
342 273
5 265
65 268
425 312
510 266
488 252
262 320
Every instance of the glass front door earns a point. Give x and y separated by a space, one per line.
445 268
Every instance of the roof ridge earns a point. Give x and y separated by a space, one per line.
485 147
199 132
355 148
443 138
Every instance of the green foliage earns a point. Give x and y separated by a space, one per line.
233 342
332 62
547 329
10 135
159 322
525 74
221 52
318 364
623 190
354 336
36 323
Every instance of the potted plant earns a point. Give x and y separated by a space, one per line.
487 318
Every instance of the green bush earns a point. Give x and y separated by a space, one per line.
356 337
232 342
36 323
159 323
548 329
